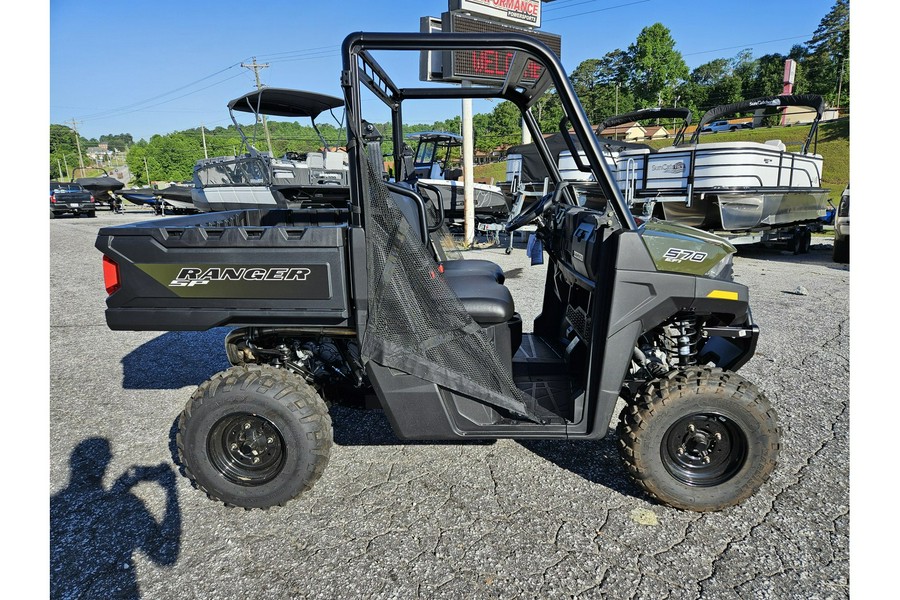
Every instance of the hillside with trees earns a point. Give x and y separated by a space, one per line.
650 72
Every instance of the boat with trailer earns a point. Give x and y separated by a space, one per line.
431 167
255 179
731 187
103 188
178 198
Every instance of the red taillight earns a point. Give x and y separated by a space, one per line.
110 275
92 199
52 198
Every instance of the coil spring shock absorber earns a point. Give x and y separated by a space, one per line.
686 340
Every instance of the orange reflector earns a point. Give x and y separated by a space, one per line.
110 275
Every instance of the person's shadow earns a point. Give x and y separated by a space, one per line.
94 531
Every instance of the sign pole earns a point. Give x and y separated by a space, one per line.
468 152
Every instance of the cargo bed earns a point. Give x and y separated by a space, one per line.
234 268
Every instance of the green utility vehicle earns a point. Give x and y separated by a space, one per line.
352 289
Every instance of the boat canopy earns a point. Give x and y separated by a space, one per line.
646 113
439 136
103 184
813 101
284 102
656 112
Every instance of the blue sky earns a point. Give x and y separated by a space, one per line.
155 67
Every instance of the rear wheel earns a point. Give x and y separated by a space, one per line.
254 436
805 241
699 439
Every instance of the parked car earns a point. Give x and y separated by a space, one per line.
841 251
70 198
717 126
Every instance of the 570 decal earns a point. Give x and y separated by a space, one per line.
678 255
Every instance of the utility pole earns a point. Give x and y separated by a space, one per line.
255 67
660 105
840 84
65 162
78 143
147 170
617 98
468 153
59 168
203 135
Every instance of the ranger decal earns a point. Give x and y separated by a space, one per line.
191 276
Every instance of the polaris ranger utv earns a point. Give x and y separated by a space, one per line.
355 291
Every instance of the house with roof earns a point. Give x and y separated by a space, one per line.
633 132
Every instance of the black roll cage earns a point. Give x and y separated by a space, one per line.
360 68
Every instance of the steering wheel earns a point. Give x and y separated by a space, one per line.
536 210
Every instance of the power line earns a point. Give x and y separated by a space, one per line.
597 10
163 95
125 112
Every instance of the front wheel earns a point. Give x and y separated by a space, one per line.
699 439
254 436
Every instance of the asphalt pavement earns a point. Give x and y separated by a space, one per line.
392 519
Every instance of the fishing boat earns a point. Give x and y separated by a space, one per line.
102 188
141 197
255 179
431 167
736 185
178 198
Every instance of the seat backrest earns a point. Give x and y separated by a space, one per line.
412 205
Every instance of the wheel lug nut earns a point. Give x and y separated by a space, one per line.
255 460
681 449
234 446
718 436
706 459
691 427
270 440
246 425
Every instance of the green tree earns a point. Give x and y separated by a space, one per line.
586 82
827 61
657 68
64 151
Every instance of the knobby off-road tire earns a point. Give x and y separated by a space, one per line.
699 439
805 241
254 436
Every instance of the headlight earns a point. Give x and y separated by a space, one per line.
723 270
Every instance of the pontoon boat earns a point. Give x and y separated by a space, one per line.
731 186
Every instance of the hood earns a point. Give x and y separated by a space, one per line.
681 249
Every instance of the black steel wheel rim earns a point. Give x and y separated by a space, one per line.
246 449
704 449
